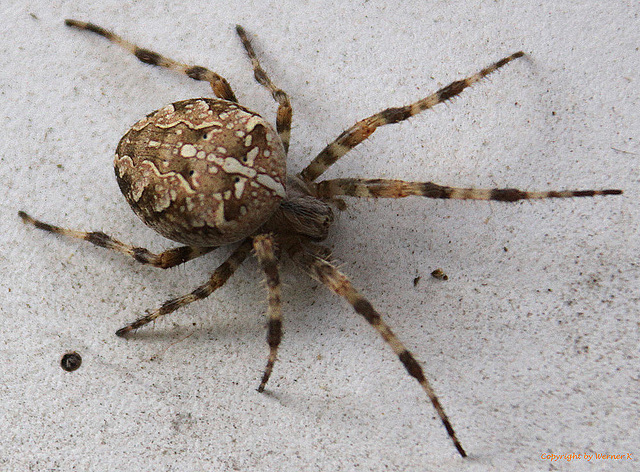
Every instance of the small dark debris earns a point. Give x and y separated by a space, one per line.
70 361
439 274
416 281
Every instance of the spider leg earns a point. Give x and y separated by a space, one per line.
264 246
164 260
382 188
217 280
285 112
364 128
326 273
220 86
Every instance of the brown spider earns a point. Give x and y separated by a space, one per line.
208 172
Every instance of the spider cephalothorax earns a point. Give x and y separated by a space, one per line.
207 172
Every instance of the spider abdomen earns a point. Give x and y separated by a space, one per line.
203 172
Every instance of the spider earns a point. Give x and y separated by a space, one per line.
208 172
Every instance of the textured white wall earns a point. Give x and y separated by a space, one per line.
533 349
